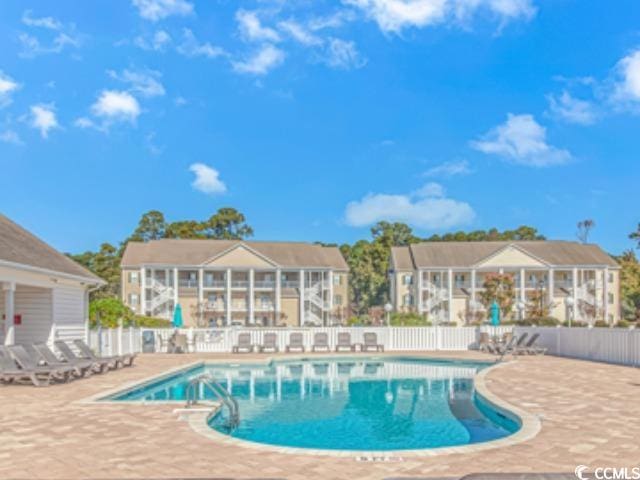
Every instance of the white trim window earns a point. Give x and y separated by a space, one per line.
337 300
133 300
337 279
407 279
134 277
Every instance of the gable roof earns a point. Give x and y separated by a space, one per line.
468 254
18 246
199 252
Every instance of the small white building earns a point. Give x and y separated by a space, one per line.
44 295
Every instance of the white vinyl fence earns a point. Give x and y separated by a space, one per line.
222 340
610 345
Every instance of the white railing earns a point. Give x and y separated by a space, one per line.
116 341
610 345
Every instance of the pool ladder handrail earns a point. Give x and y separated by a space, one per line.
219 391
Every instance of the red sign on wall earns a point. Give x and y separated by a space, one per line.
17 319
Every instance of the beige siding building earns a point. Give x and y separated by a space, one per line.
231 282
443 280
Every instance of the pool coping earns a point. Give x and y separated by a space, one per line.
530 424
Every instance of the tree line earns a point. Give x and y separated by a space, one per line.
368 259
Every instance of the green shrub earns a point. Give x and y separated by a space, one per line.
600 323
623 324
411 319
151 322
109 311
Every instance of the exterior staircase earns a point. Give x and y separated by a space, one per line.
162 295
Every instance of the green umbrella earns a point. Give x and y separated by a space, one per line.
177 316
495 314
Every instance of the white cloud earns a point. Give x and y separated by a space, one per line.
7 87
158 42
252 29
9 136
344 54
626 85
144 83
114 105
42 22
428 208
190 47
264 60
523 141
43 118
207 179
299 33
84 122
32 46
571 109
393 16
449 169
155 10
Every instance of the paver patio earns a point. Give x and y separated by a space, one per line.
590 415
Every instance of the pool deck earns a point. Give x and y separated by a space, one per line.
589 412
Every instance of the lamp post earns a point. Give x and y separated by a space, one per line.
521 307
387 309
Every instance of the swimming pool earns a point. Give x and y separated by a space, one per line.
349 403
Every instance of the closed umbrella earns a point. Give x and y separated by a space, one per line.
177 316
495 314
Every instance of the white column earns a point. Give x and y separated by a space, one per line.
574 291
143 291
473 292
522 292
330 280
551 287
227 293
301 286
605 293
175 286
9 312
251 297
278 294
450 292
419 295
200 294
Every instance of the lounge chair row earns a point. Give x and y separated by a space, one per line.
296 343
511 344
40 365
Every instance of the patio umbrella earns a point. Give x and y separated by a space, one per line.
177 317
495 314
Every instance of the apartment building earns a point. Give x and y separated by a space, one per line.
443 280
231 282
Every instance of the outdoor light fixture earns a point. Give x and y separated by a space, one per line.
388 308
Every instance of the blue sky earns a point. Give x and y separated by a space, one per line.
318 118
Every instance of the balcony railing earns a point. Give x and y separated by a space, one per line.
264 284
216 283
239 283
215 306
188 282
264 307
289 284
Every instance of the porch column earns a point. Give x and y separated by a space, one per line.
301 286
200 295
252 319
9 290
419 293
278 293
176 287
551 288
330 280
143 291
522 291
227 293
450 292
574 292
605 293
473 292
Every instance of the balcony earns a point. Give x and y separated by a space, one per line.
239 306
264 284
214 283
264 307
289 284
239 283
215 306
188 282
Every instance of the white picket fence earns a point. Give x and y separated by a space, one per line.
610 345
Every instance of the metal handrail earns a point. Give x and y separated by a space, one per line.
214 387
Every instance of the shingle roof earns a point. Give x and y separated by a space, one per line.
198 252
17 245
467 254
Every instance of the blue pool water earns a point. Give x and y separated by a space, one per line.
347 403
